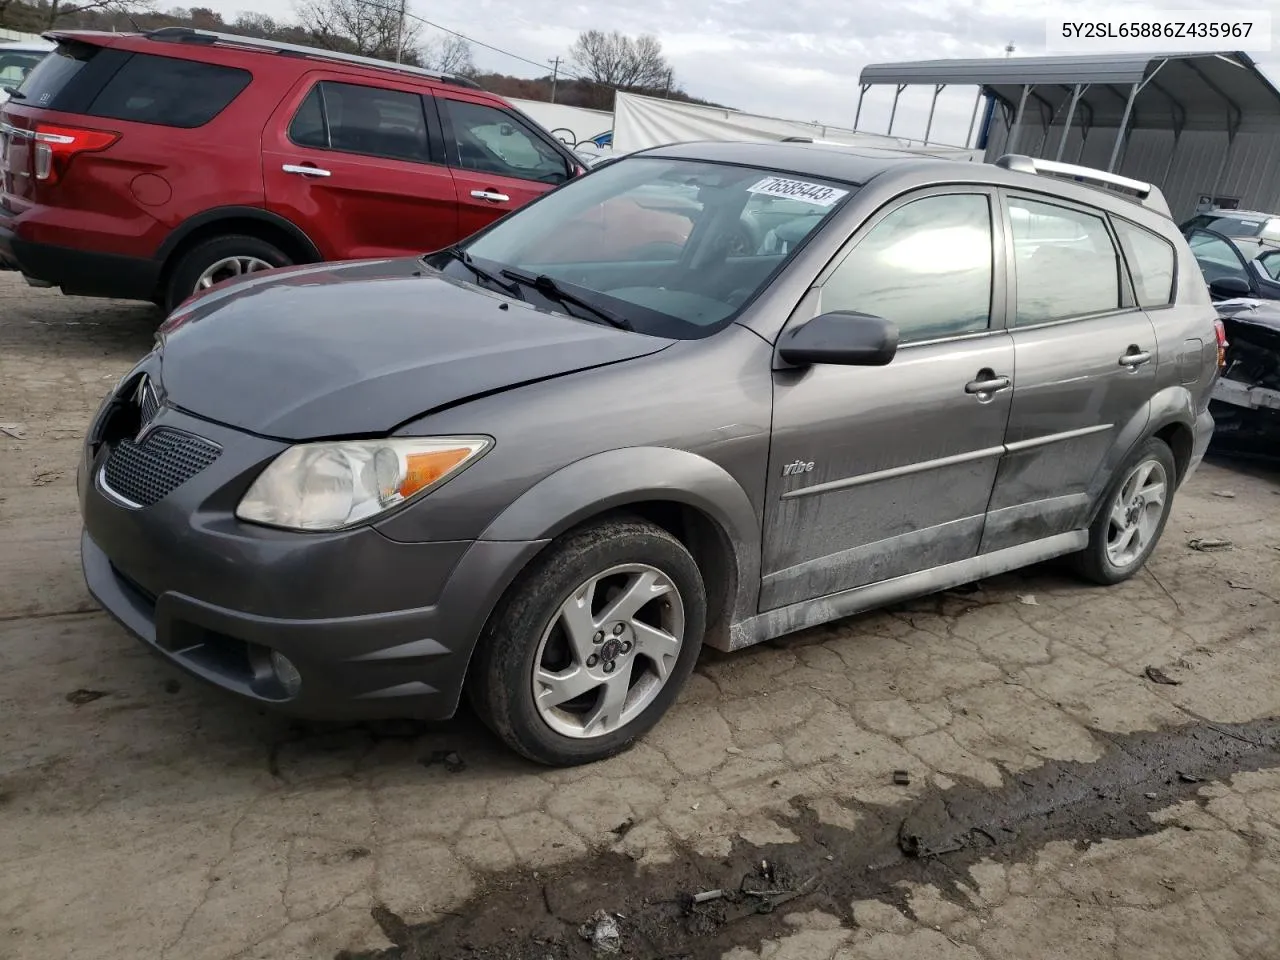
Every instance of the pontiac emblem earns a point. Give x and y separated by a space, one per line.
148 406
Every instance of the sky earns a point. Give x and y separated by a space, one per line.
796 59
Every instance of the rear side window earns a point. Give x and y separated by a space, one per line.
1066 265
168 91
353 118
1151 261
48 78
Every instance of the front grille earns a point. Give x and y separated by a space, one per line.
147 472
148 402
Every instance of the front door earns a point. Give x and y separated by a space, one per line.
360 168
1086 358
877 472
499 161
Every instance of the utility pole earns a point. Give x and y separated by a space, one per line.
667 93
400 32
1008 50
555 74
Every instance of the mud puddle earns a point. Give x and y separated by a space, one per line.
930 840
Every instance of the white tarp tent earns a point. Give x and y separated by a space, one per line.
570 125
642 122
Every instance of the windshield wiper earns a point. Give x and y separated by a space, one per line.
549 288
469 262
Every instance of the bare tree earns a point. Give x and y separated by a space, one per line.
57 9
449 54
368 27
617 60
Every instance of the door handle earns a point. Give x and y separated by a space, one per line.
493 196
986 384
1135 358
306 171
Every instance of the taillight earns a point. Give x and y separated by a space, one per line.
1221 331
55 146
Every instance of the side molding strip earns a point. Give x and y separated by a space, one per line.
811 613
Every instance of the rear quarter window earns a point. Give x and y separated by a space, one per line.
1151 262
168 91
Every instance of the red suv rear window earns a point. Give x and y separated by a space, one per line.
140 87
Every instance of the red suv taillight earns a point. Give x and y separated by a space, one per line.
56 145
1221 331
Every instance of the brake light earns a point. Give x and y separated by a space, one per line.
1221 331
55 146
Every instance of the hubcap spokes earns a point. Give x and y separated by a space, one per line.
1136 512
230 267
608 651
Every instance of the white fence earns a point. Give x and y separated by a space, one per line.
13 36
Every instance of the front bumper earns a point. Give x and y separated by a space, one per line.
376 628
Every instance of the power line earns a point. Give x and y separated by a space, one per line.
480 43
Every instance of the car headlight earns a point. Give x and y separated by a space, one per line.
328 486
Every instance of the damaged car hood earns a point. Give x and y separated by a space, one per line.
358 348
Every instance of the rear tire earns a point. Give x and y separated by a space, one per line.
617 607
1130 521
213 261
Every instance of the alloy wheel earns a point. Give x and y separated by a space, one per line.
608 651
1136 512
227 268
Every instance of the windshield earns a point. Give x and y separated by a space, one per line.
1230 226
673 247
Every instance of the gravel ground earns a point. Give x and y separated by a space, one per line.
1059 802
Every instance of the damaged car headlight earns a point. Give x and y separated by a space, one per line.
328 486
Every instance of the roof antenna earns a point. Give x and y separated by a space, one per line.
134 23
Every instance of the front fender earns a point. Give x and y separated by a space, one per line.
616 478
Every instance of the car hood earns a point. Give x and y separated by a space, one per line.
359 348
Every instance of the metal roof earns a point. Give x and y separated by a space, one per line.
1178 90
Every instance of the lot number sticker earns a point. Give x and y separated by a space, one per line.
814 193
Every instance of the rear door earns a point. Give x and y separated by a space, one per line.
500 162
1086 358
359 166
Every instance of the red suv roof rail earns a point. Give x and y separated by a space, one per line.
209 37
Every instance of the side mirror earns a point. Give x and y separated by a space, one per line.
841 337
1227 288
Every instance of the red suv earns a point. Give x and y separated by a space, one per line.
152 166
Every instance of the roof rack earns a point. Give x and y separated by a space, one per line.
192 35
1147 194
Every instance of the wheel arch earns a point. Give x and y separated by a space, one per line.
253 221
1170 416
692 498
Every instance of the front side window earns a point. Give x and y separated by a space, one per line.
1151 262
372 121
927 267
676 247
168 91
487 140
1066 265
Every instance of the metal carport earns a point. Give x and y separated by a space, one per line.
1199 125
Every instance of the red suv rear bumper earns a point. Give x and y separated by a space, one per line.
77 272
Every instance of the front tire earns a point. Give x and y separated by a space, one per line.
1134 511
591 645
221 258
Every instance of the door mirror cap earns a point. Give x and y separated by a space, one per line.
842 337
1227 288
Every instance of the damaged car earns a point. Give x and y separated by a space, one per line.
542 468
1246 398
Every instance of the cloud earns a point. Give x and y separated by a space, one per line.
799 59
